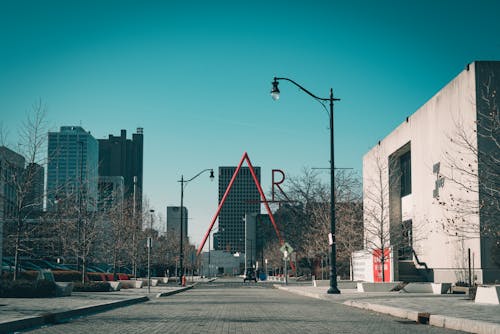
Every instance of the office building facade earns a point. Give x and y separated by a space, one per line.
111 192
72 167
174 223
119 156
243 199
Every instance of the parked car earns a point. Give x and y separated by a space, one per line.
250 275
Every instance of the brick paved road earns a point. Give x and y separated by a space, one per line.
238 308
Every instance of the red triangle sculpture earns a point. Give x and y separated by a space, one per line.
263 198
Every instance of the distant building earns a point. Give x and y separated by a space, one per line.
19 185
72 166
243 199
111 192
431 186
119 156
174 222
11 168
34 197
11 164
218 263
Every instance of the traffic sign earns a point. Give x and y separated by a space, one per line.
286 248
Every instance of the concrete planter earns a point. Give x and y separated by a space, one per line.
488 295
427 287
376 287
154 282
115 286
131 284
64 289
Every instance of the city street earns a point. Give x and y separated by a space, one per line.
229 306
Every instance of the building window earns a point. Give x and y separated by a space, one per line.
405 165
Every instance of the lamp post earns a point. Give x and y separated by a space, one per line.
150 245
181 248
80 202
275 94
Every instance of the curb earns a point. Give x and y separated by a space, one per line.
56 317
461 324
173 292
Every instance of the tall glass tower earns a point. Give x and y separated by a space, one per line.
243 199
72 166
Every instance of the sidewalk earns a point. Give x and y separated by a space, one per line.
448 311
23 313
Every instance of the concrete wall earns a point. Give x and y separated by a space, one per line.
430 131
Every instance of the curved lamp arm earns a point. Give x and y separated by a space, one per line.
194 177
331 98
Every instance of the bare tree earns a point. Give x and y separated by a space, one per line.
306 222
376 210
21 172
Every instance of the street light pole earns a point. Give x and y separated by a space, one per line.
150 245
275 93
181 246
80 199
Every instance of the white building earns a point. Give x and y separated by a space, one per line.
430 188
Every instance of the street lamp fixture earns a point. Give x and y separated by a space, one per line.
181 246
275 94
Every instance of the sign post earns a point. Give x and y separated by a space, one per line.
286 249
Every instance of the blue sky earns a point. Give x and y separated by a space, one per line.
196 76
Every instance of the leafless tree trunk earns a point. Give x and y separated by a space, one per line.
376 210
21 173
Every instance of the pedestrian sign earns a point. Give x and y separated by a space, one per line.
286 249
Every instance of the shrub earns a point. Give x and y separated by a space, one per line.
27 289
123 277
97 277
92 287
67 275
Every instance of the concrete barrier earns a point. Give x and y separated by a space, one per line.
154 281
340 284
376 287
64 289
131 284
488 295
115 286
161 280
427 287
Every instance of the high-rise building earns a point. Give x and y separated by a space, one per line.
34 196
72 166
110 192
119 156
242 199
11 168
174 222
11 164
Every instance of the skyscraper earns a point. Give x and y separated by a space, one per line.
72 166
243 199
110 192
11 167
174 220
35 183
119 156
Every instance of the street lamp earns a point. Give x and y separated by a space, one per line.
275 94
181 248
150 245
80 203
